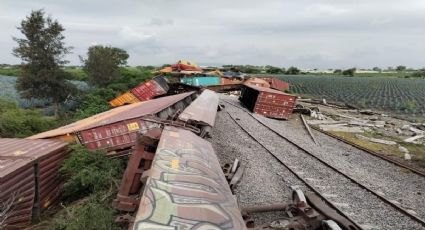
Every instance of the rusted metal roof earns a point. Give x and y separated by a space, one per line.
264 89
114 115
257 82
203 109
276 83
186 187
30 149
21 161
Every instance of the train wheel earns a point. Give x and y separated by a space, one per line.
330 225
298 196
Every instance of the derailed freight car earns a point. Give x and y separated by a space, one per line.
143 92
276 83
116 129
29 178
201 80
268 102
186 188
150 89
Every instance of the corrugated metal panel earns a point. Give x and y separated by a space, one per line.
126 98
201 81
203 109
115 115
225 88
162 82
21 162
276 83
257 82
268 102
227 81
186 187
122 134
150 89
119 135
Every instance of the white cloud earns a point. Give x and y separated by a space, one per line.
305 33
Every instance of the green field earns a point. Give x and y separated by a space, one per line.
398 96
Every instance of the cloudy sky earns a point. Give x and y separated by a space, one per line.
303 33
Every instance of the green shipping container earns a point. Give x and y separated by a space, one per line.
201 81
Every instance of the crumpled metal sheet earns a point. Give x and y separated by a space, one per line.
203 110
186 188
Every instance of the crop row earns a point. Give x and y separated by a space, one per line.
397 95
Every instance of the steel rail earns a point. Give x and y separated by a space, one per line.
296 174
385 200
384 157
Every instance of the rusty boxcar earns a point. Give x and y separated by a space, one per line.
29 178
115 129
150 89
267 102
276 83
186 188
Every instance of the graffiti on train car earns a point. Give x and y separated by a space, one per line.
186 187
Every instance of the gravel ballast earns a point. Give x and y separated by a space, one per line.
265 181
404 188
364 207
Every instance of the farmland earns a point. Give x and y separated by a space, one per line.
398 96
8 91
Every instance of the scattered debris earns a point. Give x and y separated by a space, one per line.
308 130
376 140
413 139
325 122
367 112
341 128
403 149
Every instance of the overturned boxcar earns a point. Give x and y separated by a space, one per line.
143 92
268 102
29 178
116 129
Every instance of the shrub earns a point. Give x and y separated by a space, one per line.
93 103
349 72
293 70
17 122
10 71
131 77
419 74
90 172
90 216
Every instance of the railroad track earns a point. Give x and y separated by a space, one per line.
341 191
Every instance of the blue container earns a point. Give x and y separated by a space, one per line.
201 81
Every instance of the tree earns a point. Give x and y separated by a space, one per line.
419 74
103 63
42 52
293 70
274 70
401 68
337 71
377 69
349 72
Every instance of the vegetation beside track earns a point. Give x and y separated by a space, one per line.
92 184
417 150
